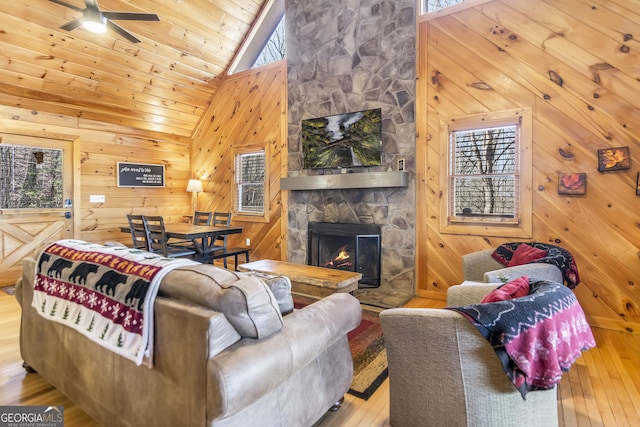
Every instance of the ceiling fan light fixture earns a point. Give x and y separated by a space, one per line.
96 25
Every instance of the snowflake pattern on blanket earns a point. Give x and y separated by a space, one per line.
105 293
536 337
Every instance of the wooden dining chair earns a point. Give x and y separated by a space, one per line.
221 219
138 235
157 239
199 218
202 218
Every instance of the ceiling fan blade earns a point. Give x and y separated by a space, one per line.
65 4
92 4
129 16
72 25
124 33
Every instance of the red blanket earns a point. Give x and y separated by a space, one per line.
536 337
555 255
104 293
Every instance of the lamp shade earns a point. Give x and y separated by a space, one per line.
194 186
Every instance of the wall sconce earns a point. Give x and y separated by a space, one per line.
194 186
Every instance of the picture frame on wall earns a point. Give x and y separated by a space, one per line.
572 183
612 159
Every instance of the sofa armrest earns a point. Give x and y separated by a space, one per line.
250 368
536 271
28 276
475 264
469 293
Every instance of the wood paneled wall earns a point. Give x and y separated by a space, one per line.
576 64
248 109
98 147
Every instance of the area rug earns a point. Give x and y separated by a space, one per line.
367 350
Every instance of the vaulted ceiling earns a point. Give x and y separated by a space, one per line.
164 83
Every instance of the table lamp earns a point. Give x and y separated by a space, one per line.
194 186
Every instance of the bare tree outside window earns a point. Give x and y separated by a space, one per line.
484 172
436 5
274 48
250 183
31 178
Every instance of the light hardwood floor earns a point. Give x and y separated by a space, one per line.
601 389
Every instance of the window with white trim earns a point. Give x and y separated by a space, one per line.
487 174
250 181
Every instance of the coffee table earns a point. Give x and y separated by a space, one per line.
307 280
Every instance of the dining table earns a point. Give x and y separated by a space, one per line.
202 236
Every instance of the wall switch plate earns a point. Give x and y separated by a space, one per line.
96 198
248 242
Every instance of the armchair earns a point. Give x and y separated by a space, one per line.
480 266
442 371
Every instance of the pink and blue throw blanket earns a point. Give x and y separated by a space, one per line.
555 255
105 293
536 337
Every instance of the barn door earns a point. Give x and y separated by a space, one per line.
36 199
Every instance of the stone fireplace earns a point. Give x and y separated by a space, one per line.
344 57
350 247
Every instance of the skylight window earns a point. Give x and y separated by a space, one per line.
274 49
266 40
429 6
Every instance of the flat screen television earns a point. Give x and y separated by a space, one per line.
343 140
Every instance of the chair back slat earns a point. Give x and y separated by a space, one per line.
157 238
221 219
138 234
202 218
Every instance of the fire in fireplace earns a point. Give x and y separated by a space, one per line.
351 247
341 261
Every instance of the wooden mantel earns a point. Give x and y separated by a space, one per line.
346 180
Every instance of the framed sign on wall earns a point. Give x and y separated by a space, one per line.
140 175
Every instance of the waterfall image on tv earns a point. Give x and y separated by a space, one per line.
343 140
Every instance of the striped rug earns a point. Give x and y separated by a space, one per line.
367 350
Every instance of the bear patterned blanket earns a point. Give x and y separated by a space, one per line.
105 293
536 337
556 255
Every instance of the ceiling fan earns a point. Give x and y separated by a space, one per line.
97 21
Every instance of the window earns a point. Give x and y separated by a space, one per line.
429 6
251 195
265 42
274 49
31 177
487 175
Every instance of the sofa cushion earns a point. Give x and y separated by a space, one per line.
514 289
280 287
245 300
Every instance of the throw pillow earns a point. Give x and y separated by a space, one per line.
514 289
525 254
246 301
280 286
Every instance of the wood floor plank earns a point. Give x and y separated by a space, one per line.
600 395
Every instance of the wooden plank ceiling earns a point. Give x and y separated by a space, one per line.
163 84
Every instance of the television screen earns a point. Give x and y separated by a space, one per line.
343 140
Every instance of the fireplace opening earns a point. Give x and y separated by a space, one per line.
350 247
